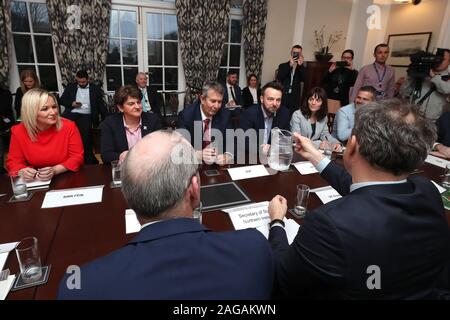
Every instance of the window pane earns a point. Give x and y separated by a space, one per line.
19 17
154 26
39 17
224 61
114 24
129 75
24 51
47 75
222 76
155 76
235 31
170 53
128 24
235 55
113 78
44 49
26 67
113 52
170 27
129 50
171 81
154 52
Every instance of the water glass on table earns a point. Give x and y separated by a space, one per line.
29 260
301 201
446 177
19 186
116 167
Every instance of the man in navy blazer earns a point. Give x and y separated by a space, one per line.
120 131
387 237
232 93
206 123
174 256
270 114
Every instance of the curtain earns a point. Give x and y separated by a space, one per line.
202 28
254 31
80 31
5 41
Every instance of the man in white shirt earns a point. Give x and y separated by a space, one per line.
232 94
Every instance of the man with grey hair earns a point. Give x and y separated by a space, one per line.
387 237
174 256
150 102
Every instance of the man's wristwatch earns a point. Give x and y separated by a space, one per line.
275 221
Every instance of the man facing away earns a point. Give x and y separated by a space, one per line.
387 237
174 256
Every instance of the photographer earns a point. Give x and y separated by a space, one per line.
428 82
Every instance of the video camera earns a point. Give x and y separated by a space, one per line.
422 62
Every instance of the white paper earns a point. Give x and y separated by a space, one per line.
327 195
437 161
71 197
3 257
132 224
38 184
305 167
248 172
290 226
440 189
7 247
5 286
249 216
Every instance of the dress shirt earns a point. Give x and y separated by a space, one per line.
146 107
133 136
83 97
267 125
383 81
254 93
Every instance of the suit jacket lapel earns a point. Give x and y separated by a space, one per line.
122 135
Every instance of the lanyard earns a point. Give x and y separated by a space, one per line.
380 80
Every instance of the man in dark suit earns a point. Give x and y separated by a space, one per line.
206 124
232 91
290 74
387 237
83 102
6 120
174 256
150 101
442 144
121 131
262 118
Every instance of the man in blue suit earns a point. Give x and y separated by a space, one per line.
387 237
270 114
232 93
206 122
174 256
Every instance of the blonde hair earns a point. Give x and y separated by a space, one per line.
28 73
32 101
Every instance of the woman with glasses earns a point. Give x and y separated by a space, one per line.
311 120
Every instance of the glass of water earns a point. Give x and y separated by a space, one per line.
29 260
197 213
116 167
301 202
446 177
19 186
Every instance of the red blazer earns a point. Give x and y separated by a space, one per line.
51 148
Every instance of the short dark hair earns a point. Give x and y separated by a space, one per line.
122 93
297 46
370 89
393 135
250 76
82 74
348 51
230 72
380 45
273 85
323 111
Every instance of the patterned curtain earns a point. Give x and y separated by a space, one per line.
5 40
254 31
80 31
202 28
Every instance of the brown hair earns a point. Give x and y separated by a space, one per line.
122 93
28 73
318 93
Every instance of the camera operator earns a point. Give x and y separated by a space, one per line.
429 91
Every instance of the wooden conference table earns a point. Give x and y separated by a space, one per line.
75 235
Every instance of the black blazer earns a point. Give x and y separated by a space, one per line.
114 139
291 101
18 101
247 98
95 96
155 99
443 124
6 112
237 93
400 228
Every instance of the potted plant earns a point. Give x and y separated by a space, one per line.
323 53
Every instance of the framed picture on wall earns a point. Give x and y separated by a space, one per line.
403 45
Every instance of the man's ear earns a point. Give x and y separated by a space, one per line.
352 146
194 190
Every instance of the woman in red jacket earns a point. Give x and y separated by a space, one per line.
44 144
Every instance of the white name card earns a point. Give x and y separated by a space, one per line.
437 161
305 167
440 189
71 197
328 194
248 172
132 224
38 184
249 216
290 226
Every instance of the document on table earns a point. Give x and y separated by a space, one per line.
132 224
290 226
305 167
248 172
71 197
38 184
5 248
328 194
437 161
5 286
249 216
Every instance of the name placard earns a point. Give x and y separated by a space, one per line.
305 167
72 197
248 172
328 194
437 161
249 216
